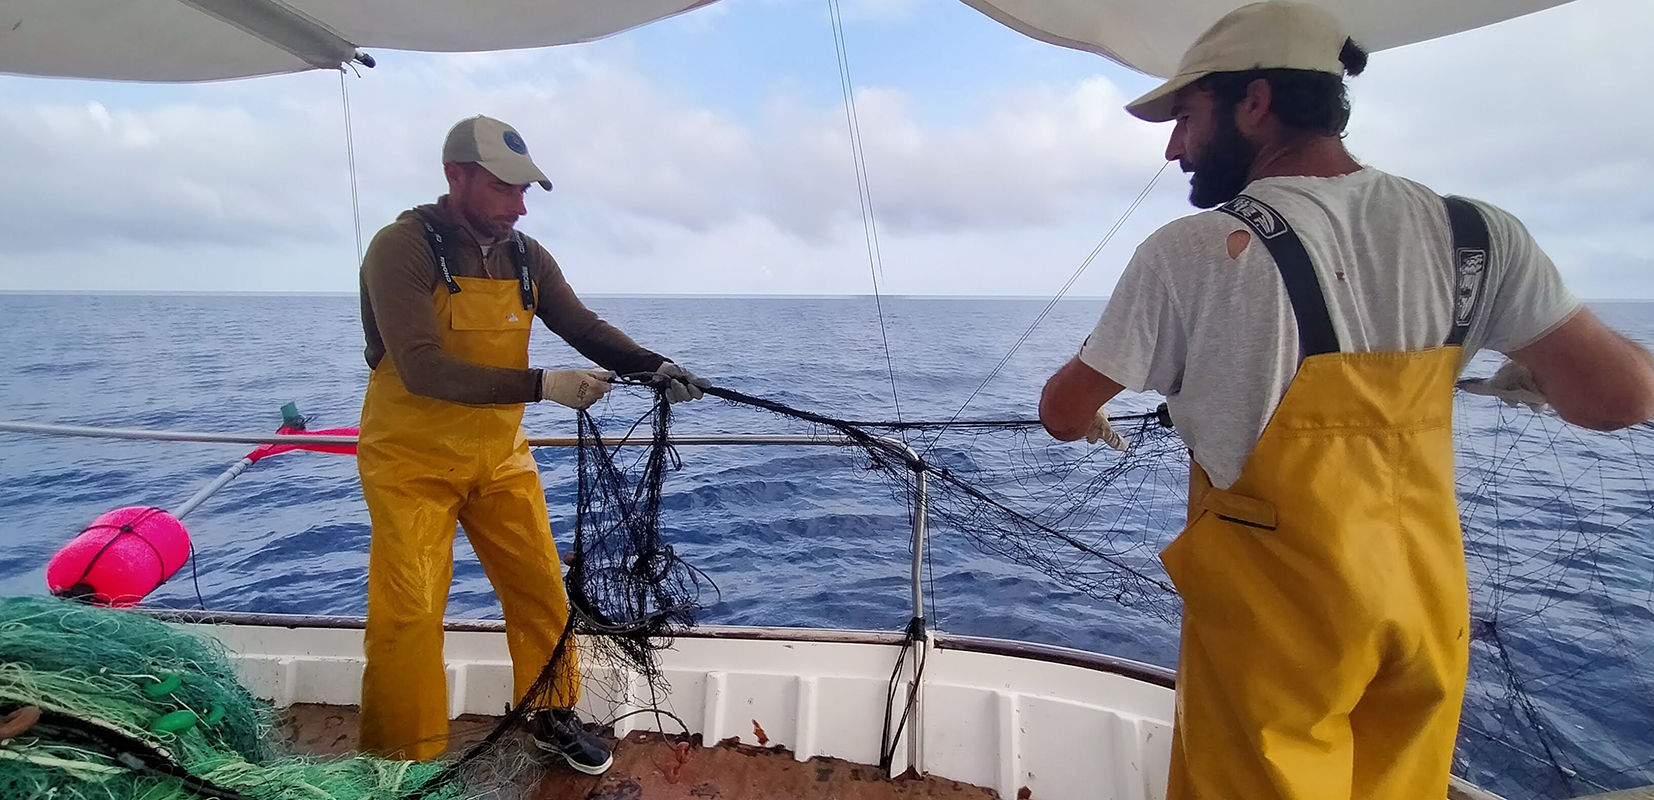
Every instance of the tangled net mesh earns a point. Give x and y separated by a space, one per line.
1556 520
1557 523
133 707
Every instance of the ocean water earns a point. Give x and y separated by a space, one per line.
1559 522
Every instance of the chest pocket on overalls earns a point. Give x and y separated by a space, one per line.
475 310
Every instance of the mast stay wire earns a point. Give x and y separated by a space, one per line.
1052 304
350 155
864 194
875 256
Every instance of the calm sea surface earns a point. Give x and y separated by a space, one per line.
1559 523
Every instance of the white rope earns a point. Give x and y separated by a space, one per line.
64 764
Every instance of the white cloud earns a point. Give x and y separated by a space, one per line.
1031 161
640 173
656 192
1547 115
180 173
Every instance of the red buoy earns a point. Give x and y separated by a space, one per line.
120 558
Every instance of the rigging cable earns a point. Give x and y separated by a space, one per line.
864 193
350 155
1050 305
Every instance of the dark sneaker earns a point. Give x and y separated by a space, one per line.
559 731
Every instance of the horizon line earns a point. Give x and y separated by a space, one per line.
617 295
648 295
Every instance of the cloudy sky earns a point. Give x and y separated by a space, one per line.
708 154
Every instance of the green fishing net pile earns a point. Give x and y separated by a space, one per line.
137 708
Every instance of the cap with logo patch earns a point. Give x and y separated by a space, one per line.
497 147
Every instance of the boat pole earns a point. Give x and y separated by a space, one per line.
921 647
218 483
908 720
920 496
292 422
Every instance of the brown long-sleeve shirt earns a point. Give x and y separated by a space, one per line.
399 277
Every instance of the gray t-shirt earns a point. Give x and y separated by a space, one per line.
1216 335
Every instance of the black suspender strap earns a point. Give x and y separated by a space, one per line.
1315 332
1470 256
439 249
519 259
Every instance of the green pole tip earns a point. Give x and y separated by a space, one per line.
291 418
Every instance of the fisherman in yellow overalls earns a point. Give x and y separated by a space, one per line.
1308 333
449 294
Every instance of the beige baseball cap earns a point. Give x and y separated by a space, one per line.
1271 35
497 147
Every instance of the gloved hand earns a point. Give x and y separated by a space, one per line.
1101 431
575 388
1512 383
681 384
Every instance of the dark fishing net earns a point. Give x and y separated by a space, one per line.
1559 541
995 484
1013 492
104 704
1557 523
625 582
629 592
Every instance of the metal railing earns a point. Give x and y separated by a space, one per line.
917 511
1459 790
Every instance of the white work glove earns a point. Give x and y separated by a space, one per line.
681 384
1513 384
575 388
1101 431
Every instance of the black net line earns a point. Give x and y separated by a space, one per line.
630 592
1541 567
1560 650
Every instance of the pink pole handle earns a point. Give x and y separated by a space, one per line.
265 451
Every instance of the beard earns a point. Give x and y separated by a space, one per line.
1222 169
495 228
500 227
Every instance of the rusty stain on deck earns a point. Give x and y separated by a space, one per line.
649 766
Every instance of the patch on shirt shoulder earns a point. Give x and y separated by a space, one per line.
1267 221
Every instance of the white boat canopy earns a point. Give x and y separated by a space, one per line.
203 40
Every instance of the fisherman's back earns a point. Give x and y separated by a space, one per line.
1218 335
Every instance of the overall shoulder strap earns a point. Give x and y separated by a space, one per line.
1315 332
1471 249
519 259
439 249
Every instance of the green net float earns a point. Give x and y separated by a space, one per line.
163 687
215 715
174 722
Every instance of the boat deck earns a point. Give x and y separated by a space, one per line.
650 767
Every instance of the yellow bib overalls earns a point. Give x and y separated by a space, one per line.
1325 636
425 465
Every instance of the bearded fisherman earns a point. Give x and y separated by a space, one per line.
449 294
1307 333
